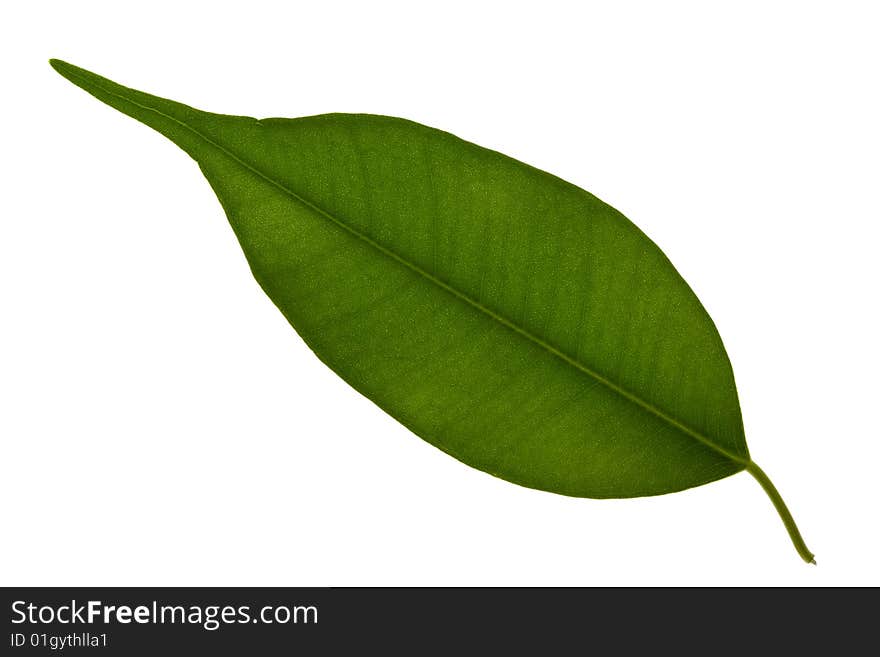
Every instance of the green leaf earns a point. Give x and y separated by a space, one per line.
505 316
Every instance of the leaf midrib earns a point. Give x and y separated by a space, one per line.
430 277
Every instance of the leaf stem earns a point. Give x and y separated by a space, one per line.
783 511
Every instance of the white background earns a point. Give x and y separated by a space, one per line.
161 424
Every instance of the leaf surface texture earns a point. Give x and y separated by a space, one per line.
508 317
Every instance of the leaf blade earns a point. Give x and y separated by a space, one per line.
176 121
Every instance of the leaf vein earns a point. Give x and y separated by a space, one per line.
633 398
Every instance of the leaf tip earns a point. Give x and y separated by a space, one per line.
64 69
61 67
